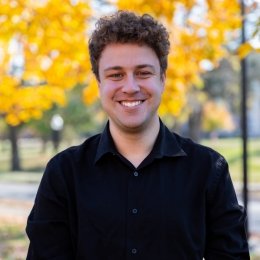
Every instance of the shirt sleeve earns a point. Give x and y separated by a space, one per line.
48 223
226 232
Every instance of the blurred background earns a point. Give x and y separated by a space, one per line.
49 98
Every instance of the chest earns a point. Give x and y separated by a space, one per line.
154 210
152 196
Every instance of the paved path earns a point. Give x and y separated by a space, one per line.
18 191
254 216
16 200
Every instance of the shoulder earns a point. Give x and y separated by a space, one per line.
65 165
204 161
74 156
199 151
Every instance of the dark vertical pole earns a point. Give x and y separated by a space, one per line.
244 111
15 158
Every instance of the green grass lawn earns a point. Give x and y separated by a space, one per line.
231 149
13 241
33 160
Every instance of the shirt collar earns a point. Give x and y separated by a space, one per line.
166 144
106 144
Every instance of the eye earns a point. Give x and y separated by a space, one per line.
115 76
143 74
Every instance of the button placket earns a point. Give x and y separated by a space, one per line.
134 251
133 210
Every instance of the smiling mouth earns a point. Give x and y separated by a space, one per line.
131 103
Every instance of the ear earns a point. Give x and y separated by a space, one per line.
163 79
98 83
99 87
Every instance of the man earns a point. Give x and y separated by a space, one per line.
136 191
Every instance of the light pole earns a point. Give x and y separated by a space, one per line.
244 111
56 126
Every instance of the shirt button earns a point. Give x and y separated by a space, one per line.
136 174
134 251
134 211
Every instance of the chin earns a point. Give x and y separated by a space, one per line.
133 126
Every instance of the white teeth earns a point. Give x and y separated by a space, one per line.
131 104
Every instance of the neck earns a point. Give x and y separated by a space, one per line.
135 145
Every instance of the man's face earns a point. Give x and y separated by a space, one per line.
130 86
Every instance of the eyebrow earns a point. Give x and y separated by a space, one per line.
141 66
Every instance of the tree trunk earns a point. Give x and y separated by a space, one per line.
195 125
44 141
15 158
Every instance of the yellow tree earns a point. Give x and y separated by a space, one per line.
199 32
212 113
43 53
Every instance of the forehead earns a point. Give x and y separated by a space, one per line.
127 55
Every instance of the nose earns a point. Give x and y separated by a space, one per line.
130 85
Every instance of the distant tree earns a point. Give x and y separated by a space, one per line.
42 55
79 120
216 116
223 83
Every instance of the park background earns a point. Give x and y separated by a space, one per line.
49 98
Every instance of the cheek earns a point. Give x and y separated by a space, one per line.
162 85
162 89
157 87
108 91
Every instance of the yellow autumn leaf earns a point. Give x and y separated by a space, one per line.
90 93
51 36
244 50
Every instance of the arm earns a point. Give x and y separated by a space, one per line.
48 223
226 235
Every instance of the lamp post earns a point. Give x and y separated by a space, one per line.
244 111
56 126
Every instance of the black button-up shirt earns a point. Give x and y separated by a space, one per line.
179 203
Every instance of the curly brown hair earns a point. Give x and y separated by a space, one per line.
127 27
